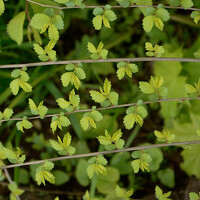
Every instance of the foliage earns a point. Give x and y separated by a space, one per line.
63 147
59 122
96 166
103 17
105 97
155 17
141 161
21 79
74 77
112 142
160 195
126 68
98 52
155 51
43 173
14 191
72 104
53 33
134 115
90 118
120 193
164 136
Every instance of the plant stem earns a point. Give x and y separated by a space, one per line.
114 60
103 153
131 6
106 108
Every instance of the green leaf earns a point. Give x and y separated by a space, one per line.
113 98
66 78
190 89
63 103
107 183
98 11
193 196
2 7
38 49
129 121
81 172
107 86
7 113
53 33
121 72
97 22
159 23
163 14
106 22
146 88
136 165
167 177
60 177
148 22
39 21
189 156
91 170
110 15
15 27
91 48
119 191
58 22
55 145
187 3
97 96
80 73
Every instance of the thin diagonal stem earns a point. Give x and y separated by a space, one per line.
103 153
114 60
106 108
131 6
9 180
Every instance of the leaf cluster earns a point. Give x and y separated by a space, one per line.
97 164
47 53
14 156
155 17
24 124
20 81
112 142
154 87
48 20
141 161
15 191
6 114
126 68
75 74
164 136
193 91
63 147
38 110
98 52
124 195
134 115
160 195
43 173
90 118
59 122
103 16
155 51
72 104
105 97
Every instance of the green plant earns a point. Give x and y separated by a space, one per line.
95 128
